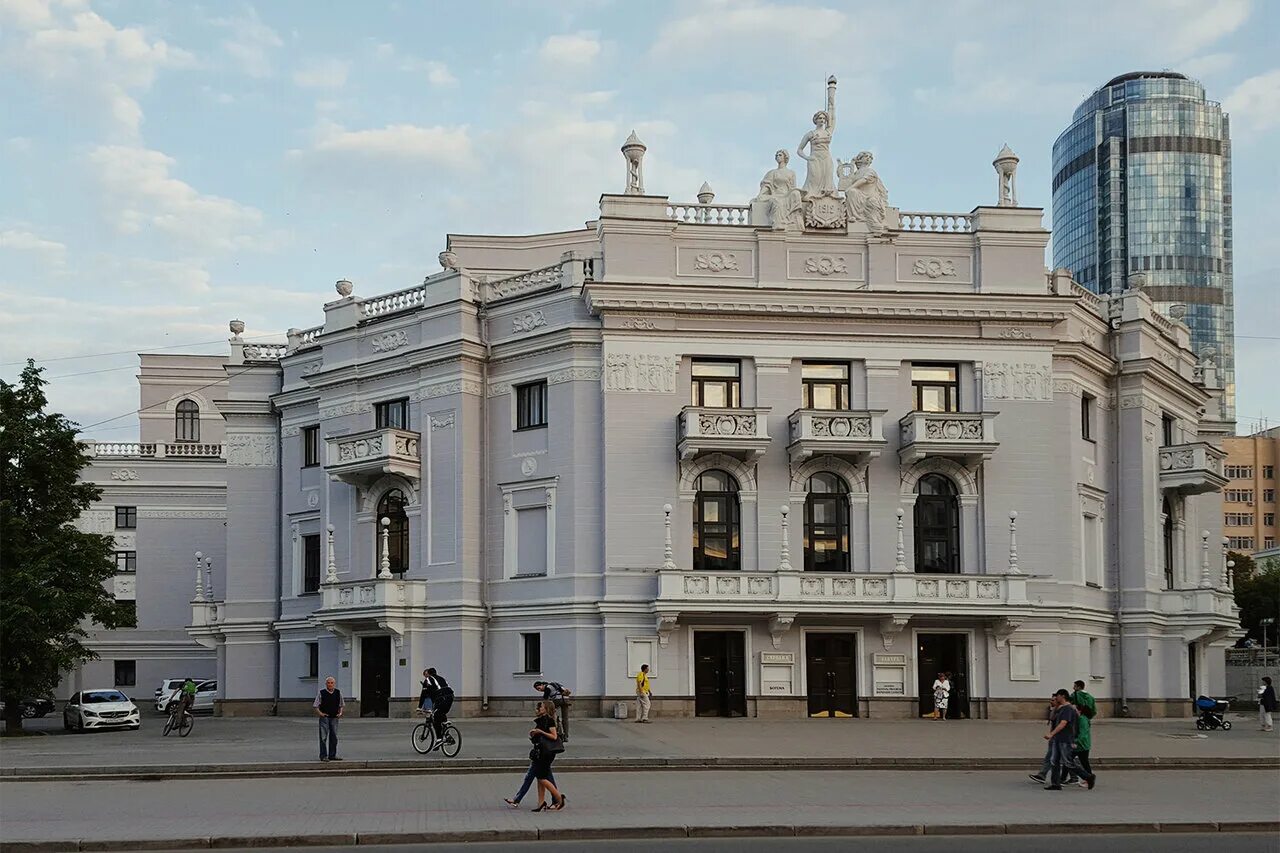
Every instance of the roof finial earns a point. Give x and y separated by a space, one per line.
633 150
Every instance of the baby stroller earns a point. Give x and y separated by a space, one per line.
1212 714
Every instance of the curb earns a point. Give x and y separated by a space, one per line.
143 772
634 832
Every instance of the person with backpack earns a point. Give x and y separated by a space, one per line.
438 691
1080 698
1062 739
558 695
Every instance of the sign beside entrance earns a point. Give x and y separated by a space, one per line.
777 657
890 688
889 675
777 673
889 660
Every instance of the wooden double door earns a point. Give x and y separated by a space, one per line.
720 673
831 674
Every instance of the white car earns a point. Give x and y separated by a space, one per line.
100 709
165 690
206 695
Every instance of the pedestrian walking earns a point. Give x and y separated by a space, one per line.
1084 742
1266 704
1062 738
529 777
941 695
559 695
1046 764
547 744
1080 697
643 694
329 706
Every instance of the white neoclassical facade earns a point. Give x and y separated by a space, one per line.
797 454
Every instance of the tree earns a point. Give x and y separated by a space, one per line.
52 576
1257 594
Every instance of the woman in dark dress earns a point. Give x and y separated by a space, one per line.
542 735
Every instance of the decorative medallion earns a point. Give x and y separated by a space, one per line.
825 265
716 262
825 212
934 268
529 466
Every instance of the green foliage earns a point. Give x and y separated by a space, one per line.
52 575
1258 595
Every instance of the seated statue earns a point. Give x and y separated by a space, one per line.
864 195
778 189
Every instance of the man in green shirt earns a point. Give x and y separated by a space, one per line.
1083 743
1084 701
186 697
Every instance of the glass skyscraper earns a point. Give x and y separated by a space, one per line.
1142 183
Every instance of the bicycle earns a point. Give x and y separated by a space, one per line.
424 737
183 725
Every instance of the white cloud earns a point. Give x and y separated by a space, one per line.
1207 65
1183 28
140 193
436 145
574 50
77 52
438 74
323 74
1254 105
732 26
251 42
25 241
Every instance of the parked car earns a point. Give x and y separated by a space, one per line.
206 695
165 690
100 709
34 707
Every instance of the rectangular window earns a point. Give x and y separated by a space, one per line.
391 414
313 659
936 387
1269 542
126 673
1240 543
824 385
1091 544
531 541
1268 472
310 446
1166 430
1269 495
1238 519
1086 417
1097 658
1268 519
127 613
126 517
716 384
1238 496
531 653
126 561
1238 472
311 563
531 405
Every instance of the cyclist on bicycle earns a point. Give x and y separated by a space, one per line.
441 696
186 696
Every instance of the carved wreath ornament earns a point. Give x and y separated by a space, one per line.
716 262
825 265
934 267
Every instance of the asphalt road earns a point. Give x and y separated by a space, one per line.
1163 843
441 802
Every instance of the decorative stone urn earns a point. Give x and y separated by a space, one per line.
344 288
236 327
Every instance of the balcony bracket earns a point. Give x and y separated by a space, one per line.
779 625
666 623
891 626
1002 629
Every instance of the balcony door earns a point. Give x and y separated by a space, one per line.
716 523
937 525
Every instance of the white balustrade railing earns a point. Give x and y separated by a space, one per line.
194 451
152 450
1088 298
264 352
841 591
307 337
119 450
710 214
547 278
394 303
949 223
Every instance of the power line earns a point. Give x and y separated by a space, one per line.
135 350
163 402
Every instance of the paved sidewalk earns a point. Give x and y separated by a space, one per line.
656 805
290 743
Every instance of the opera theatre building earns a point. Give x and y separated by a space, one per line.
798 453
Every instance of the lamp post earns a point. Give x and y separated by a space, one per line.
668 556
384 567
199 578
331 575
784 565
1013 543
1205 583
900 561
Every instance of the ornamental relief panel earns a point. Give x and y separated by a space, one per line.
1017 381
716 262
100 521
640 372
528 322
389 341
252 450
819 265
951 269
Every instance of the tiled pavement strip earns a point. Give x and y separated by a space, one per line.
280 745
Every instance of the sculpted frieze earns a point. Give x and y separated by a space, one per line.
528 322
389 341
1017 381
641 372
252 450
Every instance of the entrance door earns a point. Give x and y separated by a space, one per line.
830 665
943 653
720 673
375 676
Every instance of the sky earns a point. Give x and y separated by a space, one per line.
168 166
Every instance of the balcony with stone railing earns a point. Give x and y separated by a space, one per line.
855 434
1192 469
968 436
361 458
108 450
739 432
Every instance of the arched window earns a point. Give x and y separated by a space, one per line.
715 523
937 523
1168 543
826 524
186 422
391 507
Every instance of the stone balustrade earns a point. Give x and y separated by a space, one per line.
844 592
372 594
734 431
1193 469
264 352
162 450
851 433
362 457
710 214
967 435
950 223
307 337
393 303
534 281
